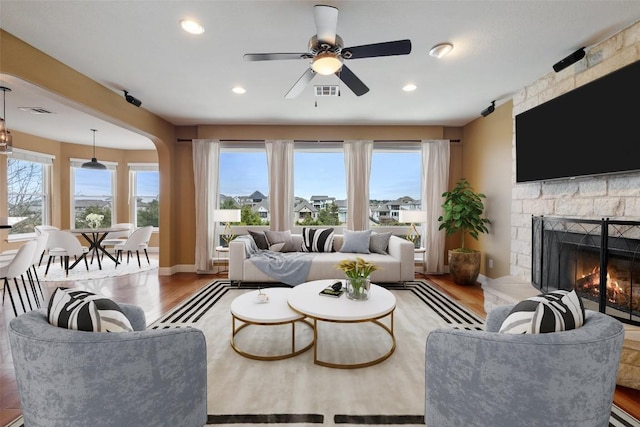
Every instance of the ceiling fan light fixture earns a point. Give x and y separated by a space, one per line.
440 50
94 164
326 63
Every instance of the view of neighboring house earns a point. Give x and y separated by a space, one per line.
380 212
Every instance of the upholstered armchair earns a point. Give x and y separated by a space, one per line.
155 377
490 379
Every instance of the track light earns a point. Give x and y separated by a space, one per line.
131 99
574 57
490 109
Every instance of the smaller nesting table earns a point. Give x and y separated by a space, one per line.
248 310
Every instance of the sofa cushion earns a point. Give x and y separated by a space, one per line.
356 242
317 239
85 311
379 242
552 312
280 241
260 239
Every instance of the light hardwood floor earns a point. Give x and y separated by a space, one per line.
157 294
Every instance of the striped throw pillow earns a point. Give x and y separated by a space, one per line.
317 239
85 311
552 312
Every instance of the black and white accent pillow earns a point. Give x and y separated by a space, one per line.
317 239
85 311
552 312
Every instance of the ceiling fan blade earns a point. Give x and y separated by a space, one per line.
326 23
302 82
352 81
273 56
398 47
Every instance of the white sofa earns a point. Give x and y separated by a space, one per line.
397 266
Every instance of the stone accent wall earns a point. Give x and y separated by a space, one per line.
612 196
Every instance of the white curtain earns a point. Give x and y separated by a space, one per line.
280 165
435 180
206 157
357 162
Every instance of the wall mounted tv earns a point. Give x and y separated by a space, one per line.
591 130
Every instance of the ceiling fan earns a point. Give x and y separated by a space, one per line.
327 53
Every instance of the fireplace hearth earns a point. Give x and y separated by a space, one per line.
600 259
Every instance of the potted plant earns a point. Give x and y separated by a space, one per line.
462 212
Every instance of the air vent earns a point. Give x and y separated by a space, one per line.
327 90
35 110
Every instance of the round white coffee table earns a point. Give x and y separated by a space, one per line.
250 311
305 300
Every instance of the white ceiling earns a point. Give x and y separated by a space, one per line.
499 47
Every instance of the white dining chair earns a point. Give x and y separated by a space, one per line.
114 238
17 268
64 244
42 229
137 241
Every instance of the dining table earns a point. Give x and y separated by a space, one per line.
95 236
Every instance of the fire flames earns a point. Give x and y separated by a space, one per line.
618 291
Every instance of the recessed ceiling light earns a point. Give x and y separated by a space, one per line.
191 26
441 50
409 87
238 89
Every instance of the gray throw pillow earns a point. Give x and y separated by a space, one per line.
379 242
280 241
356 242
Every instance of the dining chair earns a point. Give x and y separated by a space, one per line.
42 229
41 247
137 241
64 244
116 237
17 268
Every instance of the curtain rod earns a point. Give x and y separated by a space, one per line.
311 140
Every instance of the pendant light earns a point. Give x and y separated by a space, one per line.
93 164
6 140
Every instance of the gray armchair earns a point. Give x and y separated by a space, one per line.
488 379
152 378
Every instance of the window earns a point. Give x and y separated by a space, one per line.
93 192
28 202
144 180
243 181
319 183
395 180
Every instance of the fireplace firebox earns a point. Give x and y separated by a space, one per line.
600 259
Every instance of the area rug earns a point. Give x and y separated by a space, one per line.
297 392
79 272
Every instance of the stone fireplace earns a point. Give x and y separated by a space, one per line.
600 259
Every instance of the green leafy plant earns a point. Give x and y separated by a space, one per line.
462 211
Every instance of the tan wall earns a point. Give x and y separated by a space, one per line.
487 164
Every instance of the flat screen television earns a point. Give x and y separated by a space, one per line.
591 130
